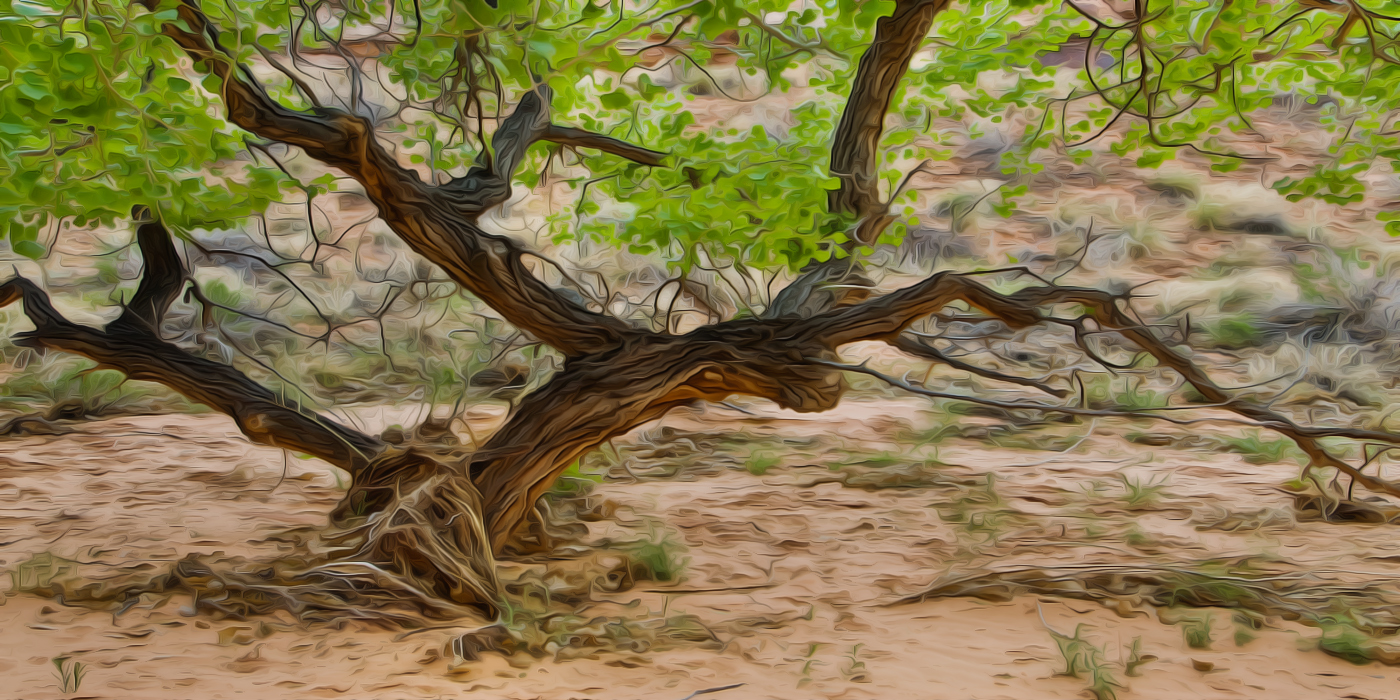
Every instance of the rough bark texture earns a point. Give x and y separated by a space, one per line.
598 397
855 152
616 376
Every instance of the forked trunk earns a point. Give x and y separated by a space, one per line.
598 397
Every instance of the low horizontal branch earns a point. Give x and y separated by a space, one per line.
884 318
144 357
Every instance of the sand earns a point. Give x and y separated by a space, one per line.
795 577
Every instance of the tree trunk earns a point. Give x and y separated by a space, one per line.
598 397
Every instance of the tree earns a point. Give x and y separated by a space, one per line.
166 116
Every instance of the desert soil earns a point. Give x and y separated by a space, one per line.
795 570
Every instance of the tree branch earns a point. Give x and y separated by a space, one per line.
437 223
163 277
578 138
131 345
855 147
884 318
488 182
331 136
919 348
855 156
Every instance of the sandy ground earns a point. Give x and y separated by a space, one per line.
793 574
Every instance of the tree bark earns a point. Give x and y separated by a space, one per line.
855 151
616 376
599 397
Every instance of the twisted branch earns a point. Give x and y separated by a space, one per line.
886 317
436 222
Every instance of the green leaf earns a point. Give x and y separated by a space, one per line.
29 249
615 100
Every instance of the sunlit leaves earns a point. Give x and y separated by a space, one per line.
99 112
96 117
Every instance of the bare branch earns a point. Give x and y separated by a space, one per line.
884 318
142 356
578 138
919 348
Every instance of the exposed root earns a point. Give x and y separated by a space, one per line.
1323 599
45 423
231 590
567 636
417 550
425 527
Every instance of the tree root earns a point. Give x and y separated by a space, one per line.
1316 598
425 527
420 552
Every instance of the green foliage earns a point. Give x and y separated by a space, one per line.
1234 331
99 113
96 116
1345 642
1196 631
1342 638
1257 449
658 558
1135 398
1081 658
1135 658
759 463
1140 493
574 481
69 675
1246 624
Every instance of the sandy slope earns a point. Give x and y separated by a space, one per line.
791 573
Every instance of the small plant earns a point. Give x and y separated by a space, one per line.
69 675
856 671
1143 494
1136 658
360 505
1345 641
656 559
1196 630
1137 537
1136 398
1246 624
38 572
979 509
932 435
1259 450
1073 650
574 481
1083 658
1234 331
1092 490
759 463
